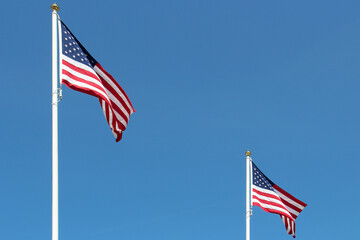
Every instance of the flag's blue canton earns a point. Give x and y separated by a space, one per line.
73 49
260 180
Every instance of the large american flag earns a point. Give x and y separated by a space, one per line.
81 72
271 198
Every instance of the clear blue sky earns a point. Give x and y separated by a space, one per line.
209 80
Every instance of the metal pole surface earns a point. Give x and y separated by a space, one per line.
55 177
248 211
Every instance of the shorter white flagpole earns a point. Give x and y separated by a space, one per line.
55 99
248 210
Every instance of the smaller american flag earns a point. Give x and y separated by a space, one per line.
271 198
81 72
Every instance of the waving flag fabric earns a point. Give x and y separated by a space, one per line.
81 72
271 198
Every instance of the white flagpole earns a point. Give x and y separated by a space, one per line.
248 210
55 183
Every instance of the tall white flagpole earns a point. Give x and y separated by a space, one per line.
248 210
55 98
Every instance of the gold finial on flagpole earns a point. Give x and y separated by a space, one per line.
55 7
248 153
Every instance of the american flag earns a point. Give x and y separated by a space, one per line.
81 72
271 198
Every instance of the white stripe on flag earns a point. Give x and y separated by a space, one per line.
267 206
116 89
289 200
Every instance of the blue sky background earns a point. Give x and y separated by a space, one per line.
209 80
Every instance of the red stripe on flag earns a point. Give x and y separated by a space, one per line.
269 195
115 119
272 204
82 89
81 70
78 79
115 105
114 82
269 210
106 110
289 195
290 206
115 94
